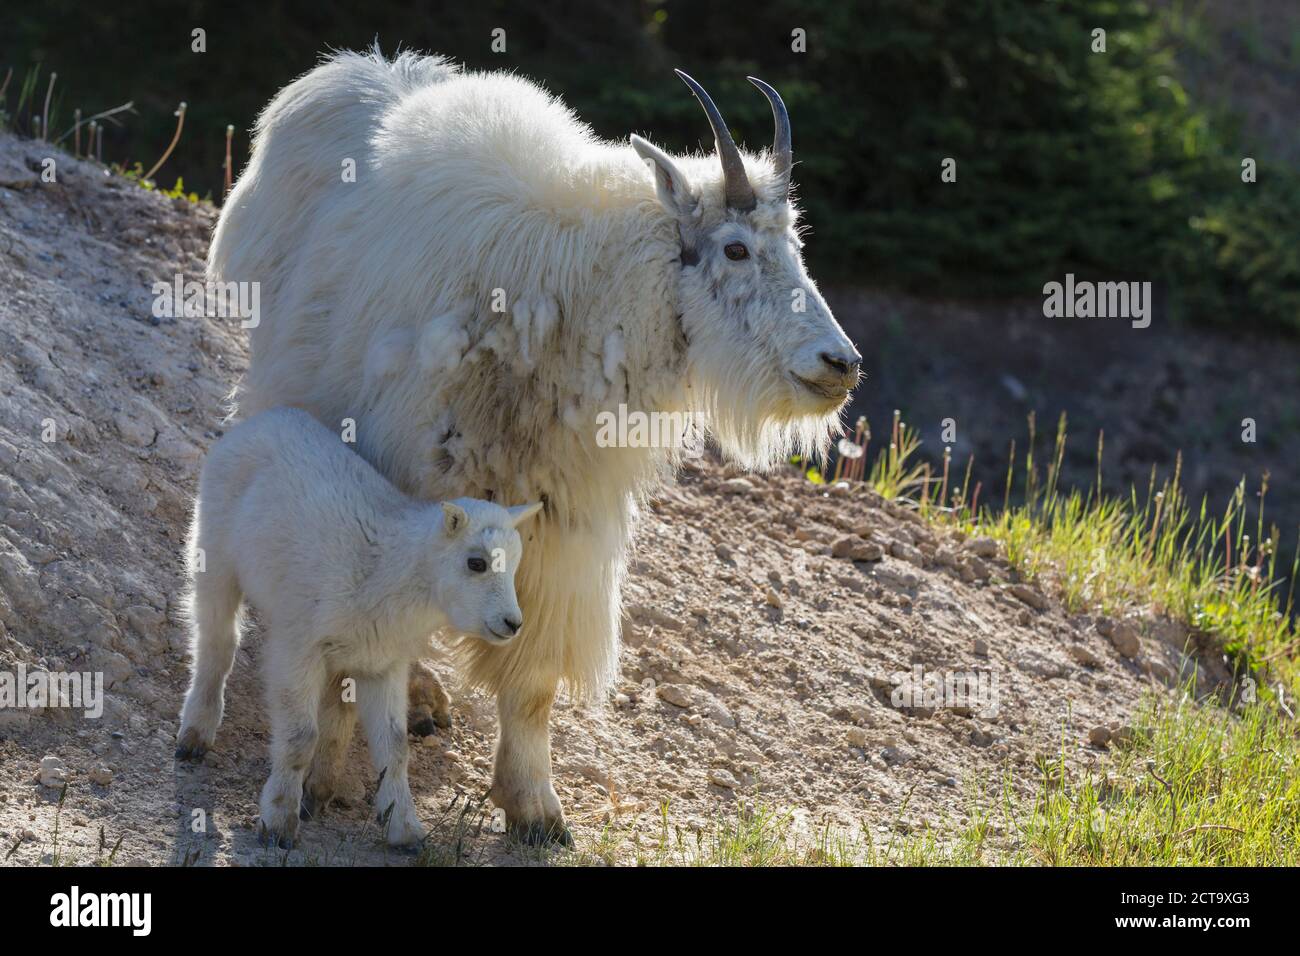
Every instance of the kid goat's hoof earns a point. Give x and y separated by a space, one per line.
269 838
190 747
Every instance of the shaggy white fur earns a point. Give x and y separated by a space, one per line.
494 278
350 578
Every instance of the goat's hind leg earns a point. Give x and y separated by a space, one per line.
430 707
214 611
337 719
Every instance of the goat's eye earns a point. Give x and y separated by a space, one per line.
736 251
477 565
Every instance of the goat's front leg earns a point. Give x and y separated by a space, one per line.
381 702
293 695
521 775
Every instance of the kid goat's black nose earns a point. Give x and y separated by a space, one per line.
513 624
843 364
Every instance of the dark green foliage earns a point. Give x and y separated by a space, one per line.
1067 160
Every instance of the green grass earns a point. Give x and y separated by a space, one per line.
1198 786
1195 785
1155 551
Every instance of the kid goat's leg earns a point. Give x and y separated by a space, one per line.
294 689
214 612
382 704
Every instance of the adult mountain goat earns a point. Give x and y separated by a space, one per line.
459 266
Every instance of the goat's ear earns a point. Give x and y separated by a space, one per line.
454 519
521 513
671 185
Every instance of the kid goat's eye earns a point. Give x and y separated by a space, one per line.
477 565
736 251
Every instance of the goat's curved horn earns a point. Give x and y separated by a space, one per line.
781 151
740 194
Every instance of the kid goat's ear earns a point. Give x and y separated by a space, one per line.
671 185
521 513
454 519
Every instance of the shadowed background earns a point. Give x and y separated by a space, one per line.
1117 165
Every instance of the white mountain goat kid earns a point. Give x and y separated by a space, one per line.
350 578
458 264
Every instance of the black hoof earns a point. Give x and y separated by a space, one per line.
191 754
268 839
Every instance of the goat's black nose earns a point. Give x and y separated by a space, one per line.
513 624
845 365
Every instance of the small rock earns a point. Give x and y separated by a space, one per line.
101 775
736 486
905 552
52 773
1030 596
649 614
982 547
856 736
1124 636
773 599
679 695
1032 661
1160 671
856 549
981 647
893 756
1084 655
723 778
896 580
1099 736
723 552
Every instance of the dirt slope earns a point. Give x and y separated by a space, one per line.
759 664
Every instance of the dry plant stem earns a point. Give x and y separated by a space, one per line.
180 123
45 113
97 116
230 132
